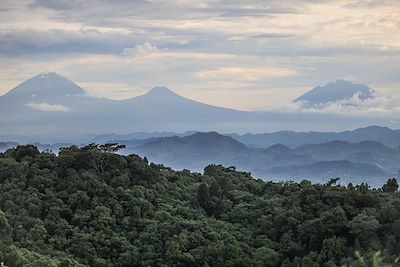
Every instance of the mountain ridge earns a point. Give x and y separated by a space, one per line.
335 158
385 135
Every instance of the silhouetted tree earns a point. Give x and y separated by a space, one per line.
391 186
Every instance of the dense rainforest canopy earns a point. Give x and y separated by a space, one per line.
90 207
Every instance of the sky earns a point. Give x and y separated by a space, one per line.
247 55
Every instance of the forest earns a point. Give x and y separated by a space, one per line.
88 206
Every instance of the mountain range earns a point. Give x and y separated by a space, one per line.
50 103
367 161
292 139
51 108
383 135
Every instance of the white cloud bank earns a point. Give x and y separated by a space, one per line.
379 106
48 107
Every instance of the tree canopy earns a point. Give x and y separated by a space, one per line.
90 207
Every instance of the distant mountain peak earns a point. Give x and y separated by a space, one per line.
46 75
207 134
163 97
342 81
278 148
199 143
161 91
213 138
333 92
46 85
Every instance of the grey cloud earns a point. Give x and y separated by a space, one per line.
59 41
25 42
137 15
94 12
59 4
79 4
92 41
255 12
272 35
371 3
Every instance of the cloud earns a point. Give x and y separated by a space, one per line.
381 106
371 3
141 50
322 28
48 107
89 41
221 8
271 35
373 107
247 74
58 4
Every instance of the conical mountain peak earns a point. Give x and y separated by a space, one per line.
161 91
340 90
46 85
48 75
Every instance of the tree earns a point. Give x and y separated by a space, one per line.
21 152
363 224
391 186
111 147
333 249
5 231
333 182
203 196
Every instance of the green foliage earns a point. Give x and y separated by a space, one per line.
22 152
89 207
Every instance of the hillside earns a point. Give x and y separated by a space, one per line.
88 207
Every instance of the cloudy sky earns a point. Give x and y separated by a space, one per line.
249 55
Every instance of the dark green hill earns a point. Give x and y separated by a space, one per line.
89 207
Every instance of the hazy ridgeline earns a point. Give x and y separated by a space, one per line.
368 155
